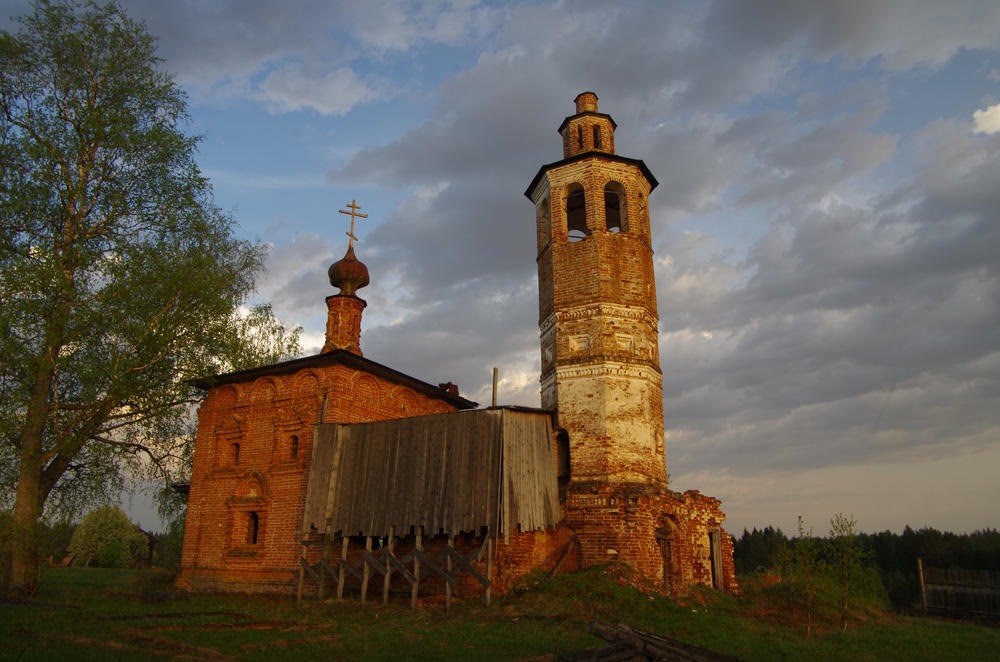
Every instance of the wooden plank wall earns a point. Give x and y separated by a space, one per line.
447 473
530 495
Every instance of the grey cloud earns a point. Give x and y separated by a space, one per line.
903 33
848 341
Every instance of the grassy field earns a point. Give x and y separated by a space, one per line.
94 614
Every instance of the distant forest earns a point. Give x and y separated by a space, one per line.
894 556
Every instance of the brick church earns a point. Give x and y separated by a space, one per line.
336 472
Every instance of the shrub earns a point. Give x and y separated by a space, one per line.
106 538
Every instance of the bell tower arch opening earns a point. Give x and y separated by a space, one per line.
576 213
615 207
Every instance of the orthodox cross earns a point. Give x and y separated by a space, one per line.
353 207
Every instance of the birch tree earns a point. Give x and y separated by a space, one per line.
119 276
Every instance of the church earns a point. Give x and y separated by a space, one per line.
335 472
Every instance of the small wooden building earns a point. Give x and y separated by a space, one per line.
434 491
459 472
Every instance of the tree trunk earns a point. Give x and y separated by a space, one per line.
24 562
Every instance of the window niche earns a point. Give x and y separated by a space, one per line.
248 512
293 447
562 456
576 213
615 208
253 528
235 450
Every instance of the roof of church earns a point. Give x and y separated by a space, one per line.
335 357
592 154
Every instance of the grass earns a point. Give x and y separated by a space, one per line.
94 614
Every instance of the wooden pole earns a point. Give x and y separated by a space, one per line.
340 573
494 386
923 589
365 570
321 588
416 568
489 566
388 567
302 573
447 584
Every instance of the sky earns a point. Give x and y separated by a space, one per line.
826 231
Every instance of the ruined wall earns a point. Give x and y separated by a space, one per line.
251 468
666 536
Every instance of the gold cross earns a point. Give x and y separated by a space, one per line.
353 207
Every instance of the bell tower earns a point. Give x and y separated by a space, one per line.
597 308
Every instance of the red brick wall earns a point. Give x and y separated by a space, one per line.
343 323
262 417
663 535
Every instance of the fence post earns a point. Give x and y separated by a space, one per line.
419 547
923 588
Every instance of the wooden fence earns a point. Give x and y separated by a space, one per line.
413 567
960 591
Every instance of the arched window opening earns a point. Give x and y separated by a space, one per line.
253 528
293 446
236 454
597 137
576 213
579 136
562 456
614 207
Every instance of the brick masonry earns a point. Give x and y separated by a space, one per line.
601 373
598 320
252 456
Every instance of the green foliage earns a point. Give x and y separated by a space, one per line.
758 550
119 276
804 574
888 560
816 581
167 553
107 539
54 540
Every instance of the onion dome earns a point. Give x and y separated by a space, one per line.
348 273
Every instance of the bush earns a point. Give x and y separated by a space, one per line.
107 539
168 551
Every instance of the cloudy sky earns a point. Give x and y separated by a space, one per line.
826 228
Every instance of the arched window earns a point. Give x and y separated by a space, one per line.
576 213
614 207
236 454
597 136
579 136
293 446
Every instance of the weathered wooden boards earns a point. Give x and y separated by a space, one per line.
631 644
444 473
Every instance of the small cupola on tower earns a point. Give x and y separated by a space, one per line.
587 130
349 274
